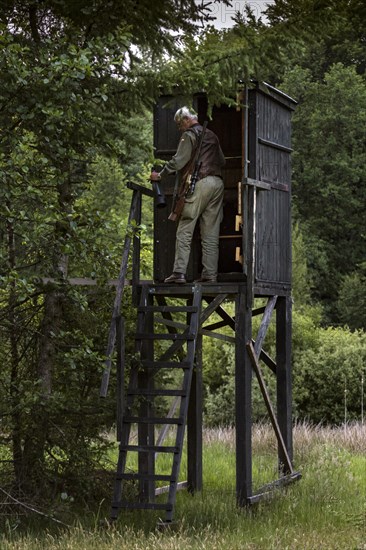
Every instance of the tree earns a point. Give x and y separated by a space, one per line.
73 73
351 303
318 34
329 173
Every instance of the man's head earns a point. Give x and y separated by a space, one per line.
185 118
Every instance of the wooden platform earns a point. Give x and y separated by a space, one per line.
221 287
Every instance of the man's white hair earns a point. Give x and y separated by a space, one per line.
185 112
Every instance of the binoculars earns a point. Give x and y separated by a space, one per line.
160 197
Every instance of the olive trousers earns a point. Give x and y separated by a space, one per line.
204 205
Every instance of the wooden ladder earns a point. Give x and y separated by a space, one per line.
159 356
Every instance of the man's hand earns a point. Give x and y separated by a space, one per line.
155 176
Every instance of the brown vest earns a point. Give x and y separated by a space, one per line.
210 152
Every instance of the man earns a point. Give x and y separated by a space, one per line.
205 204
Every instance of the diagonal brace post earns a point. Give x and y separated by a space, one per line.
268 403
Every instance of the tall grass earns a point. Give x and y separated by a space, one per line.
326 510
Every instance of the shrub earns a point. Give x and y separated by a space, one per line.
327 372
327 377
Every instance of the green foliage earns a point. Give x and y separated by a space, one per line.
220 60
352 299
327 377
219 378
318 34
300 277
328 173
325 361
76 82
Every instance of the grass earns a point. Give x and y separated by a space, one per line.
326 510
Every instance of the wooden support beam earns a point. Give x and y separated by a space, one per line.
168 315
120 373
174 348
262 385
162 490
284 381
243 398
170 324
267 490
256 183
166 427
258 311
264 324
267 360
214 304
218 336
194 424
146 431
251 208
82 281
136 252
215 326
230 321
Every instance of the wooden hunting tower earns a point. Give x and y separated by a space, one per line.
255 261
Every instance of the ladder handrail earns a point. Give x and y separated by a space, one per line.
136 197
138 191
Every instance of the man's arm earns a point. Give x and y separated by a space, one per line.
181 157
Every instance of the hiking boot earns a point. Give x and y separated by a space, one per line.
175 278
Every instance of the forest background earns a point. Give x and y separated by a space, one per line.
78 84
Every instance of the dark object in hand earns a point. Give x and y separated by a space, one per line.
160 196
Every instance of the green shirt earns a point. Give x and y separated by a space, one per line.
183 154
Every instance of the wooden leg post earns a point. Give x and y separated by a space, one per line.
194 425
146 461
243 398
284 384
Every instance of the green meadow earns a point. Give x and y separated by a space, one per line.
326 509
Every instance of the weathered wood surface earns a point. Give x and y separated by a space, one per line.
243 400
118 298
271 413
256 141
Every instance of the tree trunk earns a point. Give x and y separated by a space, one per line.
14 358
39 435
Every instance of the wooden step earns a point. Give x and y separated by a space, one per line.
151 420
152 392
149 449
168 309
163 336
143 505
146 477
165 364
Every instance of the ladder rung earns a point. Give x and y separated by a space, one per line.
147 477
165 364
164 336
151 420
168 309
146 391
143 505
149 449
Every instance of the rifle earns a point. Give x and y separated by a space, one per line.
188 181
